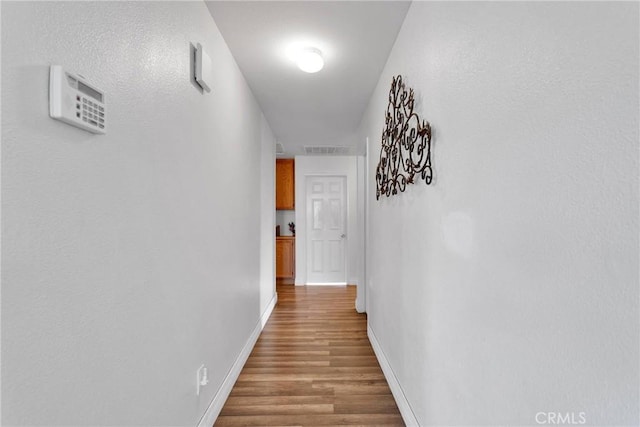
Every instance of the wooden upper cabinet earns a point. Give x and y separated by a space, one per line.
285 184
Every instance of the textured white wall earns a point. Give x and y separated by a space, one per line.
267 216
510 285
328 165
128 259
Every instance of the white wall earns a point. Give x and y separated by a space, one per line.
267 215
328 165
359 254
510 285
128 259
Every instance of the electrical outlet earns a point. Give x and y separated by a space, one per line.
202 378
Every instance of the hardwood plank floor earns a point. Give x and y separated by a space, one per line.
312 365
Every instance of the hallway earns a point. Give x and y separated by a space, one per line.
312 365
500 276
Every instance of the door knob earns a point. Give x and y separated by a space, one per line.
343 236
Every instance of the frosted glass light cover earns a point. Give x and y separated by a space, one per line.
310 60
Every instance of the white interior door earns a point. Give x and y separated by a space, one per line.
326 229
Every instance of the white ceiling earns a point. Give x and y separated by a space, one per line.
325 108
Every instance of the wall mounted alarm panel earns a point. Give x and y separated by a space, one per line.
76 102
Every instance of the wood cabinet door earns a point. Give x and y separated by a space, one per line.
285 184
285 258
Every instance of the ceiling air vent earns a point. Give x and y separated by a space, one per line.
327 150
279 148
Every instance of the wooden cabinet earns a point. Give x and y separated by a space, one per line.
285 257
285 200
285 184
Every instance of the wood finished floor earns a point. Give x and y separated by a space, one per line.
312 365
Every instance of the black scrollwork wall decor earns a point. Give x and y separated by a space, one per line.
406 144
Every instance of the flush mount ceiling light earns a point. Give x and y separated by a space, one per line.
310 60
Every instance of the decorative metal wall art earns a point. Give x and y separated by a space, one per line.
406 144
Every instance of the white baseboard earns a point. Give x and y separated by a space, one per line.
403 404
212 412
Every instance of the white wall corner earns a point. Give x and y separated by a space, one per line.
403 404
360 299
212 412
